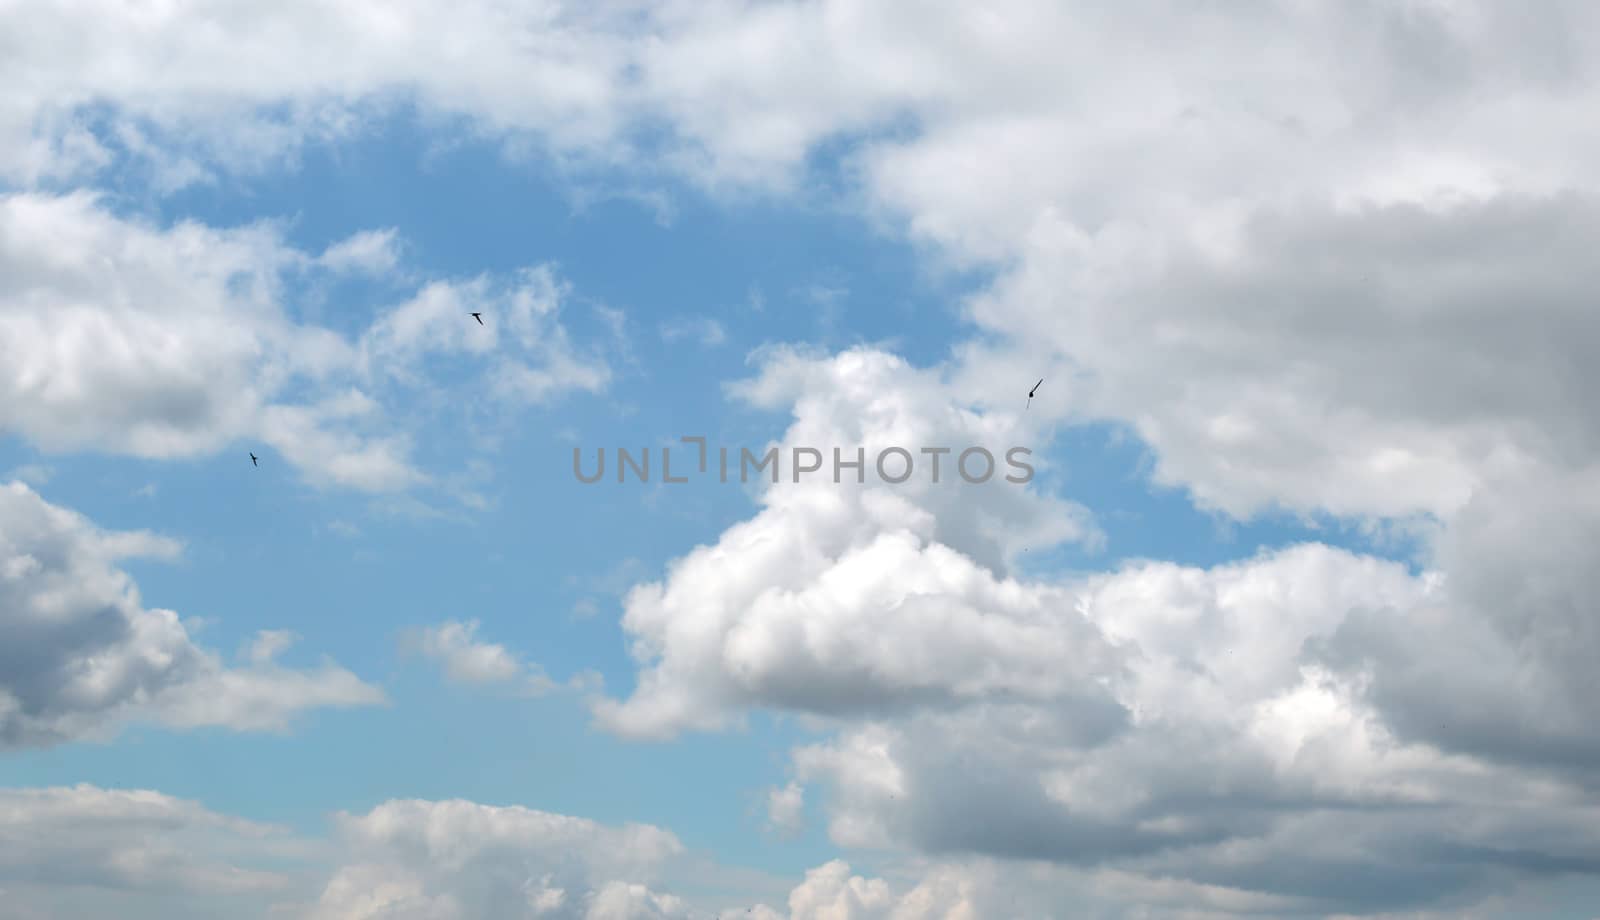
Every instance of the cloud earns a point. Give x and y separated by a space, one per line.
786 808
312 439
1378 361
458 859
234 97
124 337
831 891
370 252
1244 761
84 656
466 659
143 341
534 359
971 891
789 609
702 329
740 94
268 644
85 851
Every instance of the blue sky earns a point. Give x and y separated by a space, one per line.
1290 565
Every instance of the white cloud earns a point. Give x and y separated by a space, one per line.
535 359
830 892
370 252
792 607
312 439
120 336
464 860
83 655
268 644
142 854
143 341
230 91
466 659
786 808
937 892
86 851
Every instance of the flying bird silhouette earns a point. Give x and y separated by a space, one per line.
253 460
478 317
1030 394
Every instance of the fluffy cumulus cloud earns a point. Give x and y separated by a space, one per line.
83 655
165 342
861 594
1309 731
1250 760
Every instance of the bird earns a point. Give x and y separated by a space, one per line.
478 317
1031 392
253 460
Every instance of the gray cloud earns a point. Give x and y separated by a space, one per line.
83 655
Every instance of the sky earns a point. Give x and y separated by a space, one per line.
1293 616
